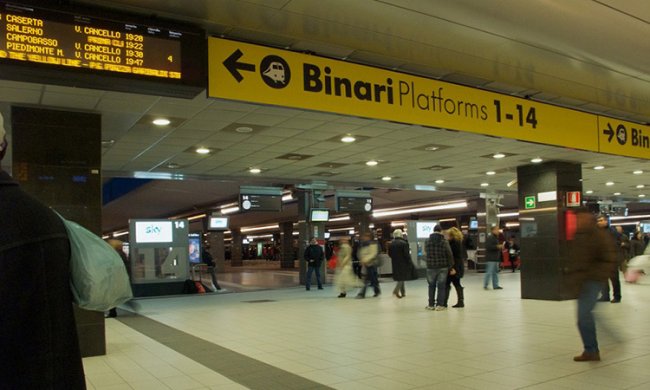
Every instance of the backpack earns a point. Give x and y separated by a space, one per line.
99 280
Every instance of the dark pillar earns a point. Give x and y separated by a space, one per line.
236 248
486 214
57 159
287 252
542 200
217 250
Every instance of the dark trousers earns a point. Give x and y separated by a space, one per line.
616 287
370 279
455 280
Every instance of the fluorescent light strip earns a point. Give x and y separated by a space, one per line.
447 220
624 223
340 229
337 219
448 206
512 224
192 218
229 210
629 217
118 234
257 228
506 215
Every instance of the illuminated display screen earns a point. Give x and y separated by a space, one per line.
353 204
110 45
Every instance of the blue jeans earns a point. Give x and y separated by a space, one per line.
310 270
370 279
586 324
491 268
437 278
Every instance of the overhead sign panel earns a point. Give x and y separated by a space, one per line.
88 42
259 74
623 138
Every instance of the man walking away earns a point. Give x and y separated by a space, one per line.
492 259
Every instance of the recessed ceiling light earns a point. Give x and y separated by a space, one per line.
498 155
161 122
348 138
173 165
202 150
485 184
589 192
386 178
432 148
244 129
599 167
372 163
641 195
609 183
640 186
490 173
255 170
638 172
108 142
439 181
536 160
617 193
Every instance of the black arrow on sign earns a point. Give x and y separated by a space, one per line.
609 131
234 67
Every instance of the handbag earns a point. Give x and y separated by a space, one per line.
413 272
331 263
99 280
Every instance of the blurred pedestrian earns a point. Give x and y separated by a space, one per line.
594 259
344 278
368 252
492 259
603 223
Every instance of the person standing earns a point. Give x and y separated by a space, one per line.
345 278
492 259
314 257
603 223
456 244
212 267
512 249
400 256
440 262
594 259
39 347
637 246
368 251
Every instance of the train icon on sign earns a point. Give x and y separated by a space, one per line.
275 71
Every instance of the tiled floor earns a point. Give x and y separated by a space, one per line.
314 340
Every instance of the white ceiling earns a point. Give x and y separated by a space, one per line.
572 53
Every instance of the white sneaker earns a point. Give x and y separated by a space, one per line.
441 308
430 308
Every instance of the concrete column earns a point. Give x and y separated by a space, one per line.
486 214
236 248
218 250
287 251
542 192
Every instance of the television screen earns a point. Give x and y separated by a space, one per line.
218 223
645 227
424 229
319 215
194 240
153 231
473 224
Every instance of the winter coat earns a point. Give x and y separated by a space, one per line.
492 252
438 252
39 348
593 257
400 257
457 252
314 255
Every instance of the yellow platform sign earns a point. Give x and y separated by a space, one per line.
623 138
260 74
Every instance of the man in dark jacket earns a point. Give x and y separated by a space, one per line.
440 261
39 348
594 259
603 223
314 258
492 259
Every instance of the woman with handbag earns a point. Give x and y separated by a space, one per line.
456 242
344 279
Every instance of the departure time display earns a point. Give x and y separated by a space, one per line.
30 34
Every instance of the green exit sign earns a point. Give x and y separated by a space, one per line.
529 202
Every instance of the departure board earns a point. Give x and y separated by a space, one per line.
69 39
